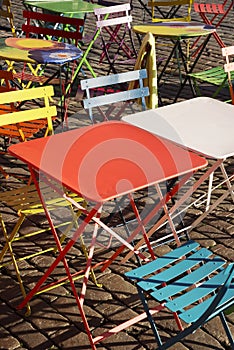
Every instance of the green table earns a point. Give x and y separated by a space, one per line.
71 7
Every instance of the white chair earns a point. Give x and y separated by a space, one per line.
114 23
109 91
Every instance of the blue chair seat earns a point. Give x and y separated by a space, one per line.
192 283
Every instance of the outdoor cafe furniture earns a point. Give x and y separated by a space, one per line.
193 283
214 14
34 52
177 32
101 163
109 94
115 24
76 9
203 125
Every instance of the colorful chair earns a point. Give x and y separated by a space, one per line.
118 47
214 14
193 283
146 59
168 11
220 77
113 91
25 202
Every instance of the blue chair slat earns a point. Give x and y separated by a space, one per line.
194 313
197 293
169 258
189 280
175 271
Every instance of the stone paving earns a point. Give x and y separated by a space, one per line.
54 322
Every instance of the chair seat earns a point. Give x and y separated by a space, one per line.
214 75
190 281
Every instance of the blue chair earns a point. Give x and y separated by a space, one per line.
191 282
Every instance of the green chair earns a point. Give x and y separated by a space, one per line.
218 76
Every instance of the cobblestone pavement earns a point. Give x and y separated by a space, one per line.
55 322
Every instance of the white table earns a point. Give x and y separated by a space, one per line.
203 125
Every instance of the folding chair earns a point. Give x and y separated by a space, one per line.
26 203
172 11
213 14
102 91
168 10
146 59
23 124
118 47
19 124
193 283
220 77
7 14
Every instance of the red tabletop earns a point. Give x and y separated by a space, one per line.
106 160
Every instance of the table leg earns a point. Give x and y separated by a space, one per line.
189 71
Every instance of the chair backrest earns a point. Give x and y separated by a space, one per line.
228 53
120 14
24 123
217 12
147 59
114 23
6 12
111 96
53 26
172 8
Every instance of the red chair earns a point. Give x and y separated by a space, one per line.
214 14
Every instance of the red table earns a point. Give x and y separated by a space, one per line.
102 162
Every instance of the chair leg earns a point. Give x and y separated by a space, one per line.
149 316
9 248
227 329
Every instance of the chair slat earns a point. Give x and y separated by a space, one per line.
160 263
175 270
189 280
193 314
195 294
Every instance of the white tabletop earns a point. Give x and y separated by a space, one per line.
201 124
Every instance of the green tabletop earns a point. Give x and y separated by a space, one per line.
68 6
175 29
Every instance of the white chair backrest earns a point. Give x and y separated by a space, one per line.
140 92
103 19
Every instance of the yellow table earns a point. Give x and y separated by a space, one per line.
177 31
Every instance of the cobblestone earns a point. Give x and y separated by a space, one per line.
55 322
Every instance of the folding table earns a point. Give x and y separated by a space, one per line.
177 31
73 8
203 125
102 162
38 51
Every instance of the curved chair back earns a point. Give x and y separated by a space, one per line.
147 59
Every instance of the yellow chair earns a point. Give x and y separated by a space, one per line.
17 122
26 203
147 59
